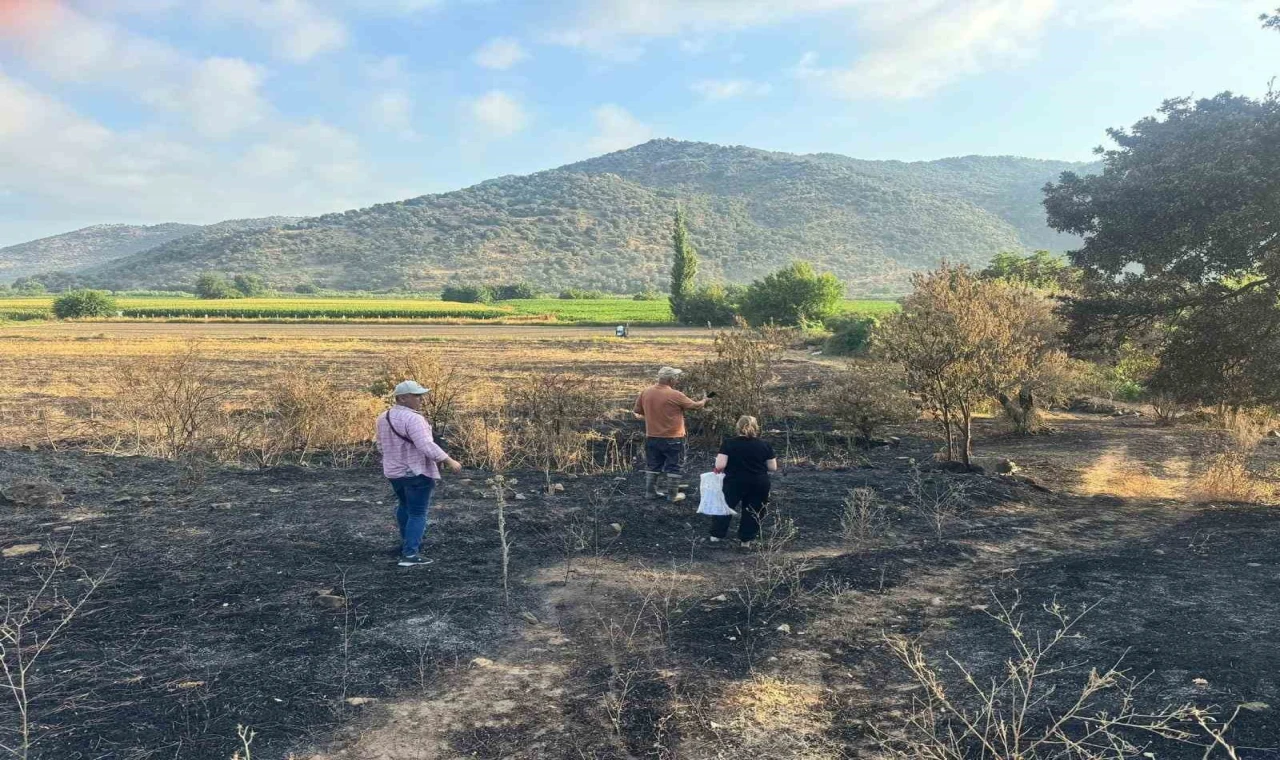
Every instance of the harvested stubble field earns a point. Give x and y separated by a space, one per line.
267 597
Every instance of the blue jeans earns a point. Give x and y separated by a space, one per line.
413 495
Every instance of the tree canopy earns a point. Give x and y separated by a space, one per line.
1043 270
1181 231
792 296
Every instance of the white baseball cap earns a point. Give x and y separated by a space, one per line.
667 373
411 388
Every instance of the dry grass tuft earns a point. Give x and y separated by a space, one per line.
772 704
1229 478
1116 475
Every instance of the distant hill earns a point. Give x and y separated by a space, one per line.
605 223
85 248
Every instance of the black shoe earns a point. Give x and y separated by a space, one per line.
414 561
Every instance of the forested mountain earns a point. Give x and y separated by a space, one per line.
85 247
605 223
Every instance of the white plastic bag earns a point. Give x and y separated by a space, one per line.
711 486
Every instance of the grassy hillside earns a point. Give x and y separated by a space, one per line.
93 247
85 248
604 223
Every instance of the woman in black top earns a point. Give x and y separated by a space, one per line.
746 462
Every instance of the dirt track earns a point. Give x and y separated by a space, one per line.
329 330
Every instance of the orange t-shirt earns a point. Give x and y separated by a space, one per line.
663 410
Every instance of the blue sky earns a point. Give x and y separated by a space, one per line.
147 111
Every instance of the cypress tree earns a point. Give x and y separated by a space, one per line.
684 267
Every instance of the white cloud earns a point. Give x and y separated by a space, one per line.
907 48
616 28
218 95
57 158
616 129
499 114
393 111
500 53
724 89
920 48
298 29
72 47
223 96
1143 15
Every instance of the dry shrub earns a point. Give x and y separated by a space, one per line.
448 384
1115 475
482 441
552 417
172 406
1229 475
1167 408
939 500
299 417
1229 478
864 517
868 397
740 375
1037 706
1247 427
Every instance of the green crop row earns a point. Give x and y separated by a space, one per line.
355 312
598 311
595 310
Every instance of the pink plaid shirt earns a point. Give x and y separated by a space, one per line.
418 455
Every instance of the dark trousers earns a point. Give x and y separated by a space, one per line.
664 455
413 497
751 499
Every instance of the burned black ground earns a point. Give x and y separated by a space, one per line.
209 616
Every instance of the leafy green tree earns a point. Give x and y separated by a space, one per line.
78 304
792 296
714 305
214 286
250 285
28 286
1042 269
516 290
306 288
684 266
1179 236
578 294
467 294
850 334
1223 355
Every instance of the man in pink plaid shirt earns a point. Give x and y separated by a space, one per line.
411 460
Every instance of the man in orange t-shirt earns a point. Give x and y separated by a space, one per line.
662 408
